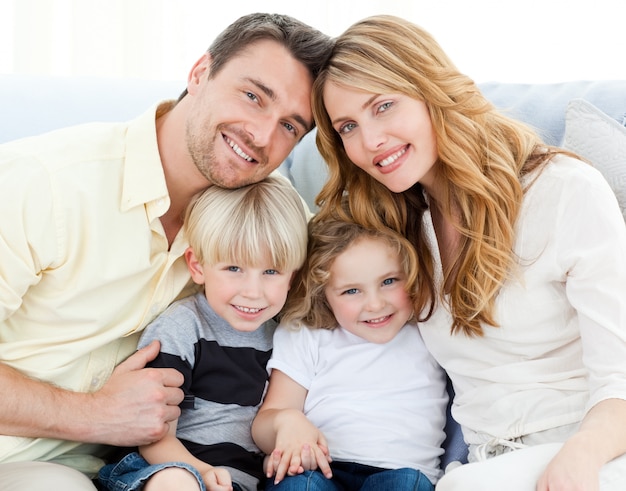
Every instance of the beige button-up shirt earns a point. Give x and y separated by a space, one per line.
84 261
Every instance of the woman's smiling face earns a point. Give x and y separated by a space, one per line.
389 136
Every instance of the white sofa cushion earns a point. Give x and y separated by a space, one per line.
601 140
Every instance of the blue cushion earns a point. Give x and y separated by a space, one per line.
543 106
35 104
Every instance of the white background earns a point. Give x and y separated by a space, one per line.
502 40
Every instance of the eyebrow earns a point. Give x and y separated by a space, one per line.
272 95
363 106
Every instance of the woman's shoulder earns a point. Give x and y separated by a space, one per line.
563 168
565 177
568 190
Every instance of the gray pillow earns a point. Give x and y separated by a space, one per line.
601 140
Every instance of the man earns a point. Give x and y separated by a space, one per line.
90 249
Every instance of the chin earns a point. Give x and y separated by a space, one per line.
398 188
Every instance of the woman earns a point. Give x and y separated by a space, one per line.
522 247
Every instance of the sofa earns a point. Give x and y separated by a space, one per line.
588 117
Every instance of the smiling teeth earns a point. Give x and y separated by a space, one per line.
238 150
392 158
375 321
248 310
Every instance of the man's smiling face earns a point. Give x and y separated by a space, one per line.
248 117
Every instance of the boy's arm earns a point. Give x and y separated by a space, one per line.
170 449
281 430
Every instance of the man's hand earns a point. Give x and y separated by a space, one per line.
136 404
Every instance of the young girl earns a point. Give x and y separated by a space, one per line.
522 284
221 338
355 401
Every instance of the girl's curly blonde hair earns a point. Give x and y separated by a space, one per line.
328 238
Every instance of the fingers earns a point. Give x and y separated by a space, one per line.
217 479
307 460
140 358
310 457
171 379
139 403
323 461
323 446
281 464
272 462
167 377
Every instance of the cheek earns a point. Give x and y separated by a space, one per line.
343 311
280 290
349 146
402 300
355 153
282 149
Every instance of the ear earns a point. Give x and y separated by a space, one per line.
194 266
199 73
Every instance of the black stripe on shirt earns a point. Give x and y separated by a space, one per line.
222 374
228 454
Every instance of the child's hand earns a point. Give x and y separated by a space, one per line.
292 462
217 479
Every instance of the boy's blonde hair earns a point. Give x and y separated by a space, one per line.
249 224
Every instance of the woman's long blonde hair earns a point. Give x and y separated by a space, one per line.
483 156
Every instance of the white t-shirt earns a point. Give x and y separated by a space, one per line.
377 404
561 344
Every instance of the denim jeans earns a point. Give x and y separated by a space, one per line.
348 476
132 472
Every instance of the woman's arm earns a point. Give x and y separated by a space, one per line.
600 439
282 430
592 245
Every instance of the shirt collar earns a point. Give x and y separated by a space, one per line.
144 178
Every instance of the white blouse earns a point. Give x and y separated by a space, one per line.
561 344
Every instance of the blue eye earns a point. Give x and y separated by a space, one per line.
351 291
234 269
389 281
291 128
384 106
271 272
346 128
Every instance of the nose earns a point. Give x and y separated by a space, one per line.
373 135
251 286
374 302
261 130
